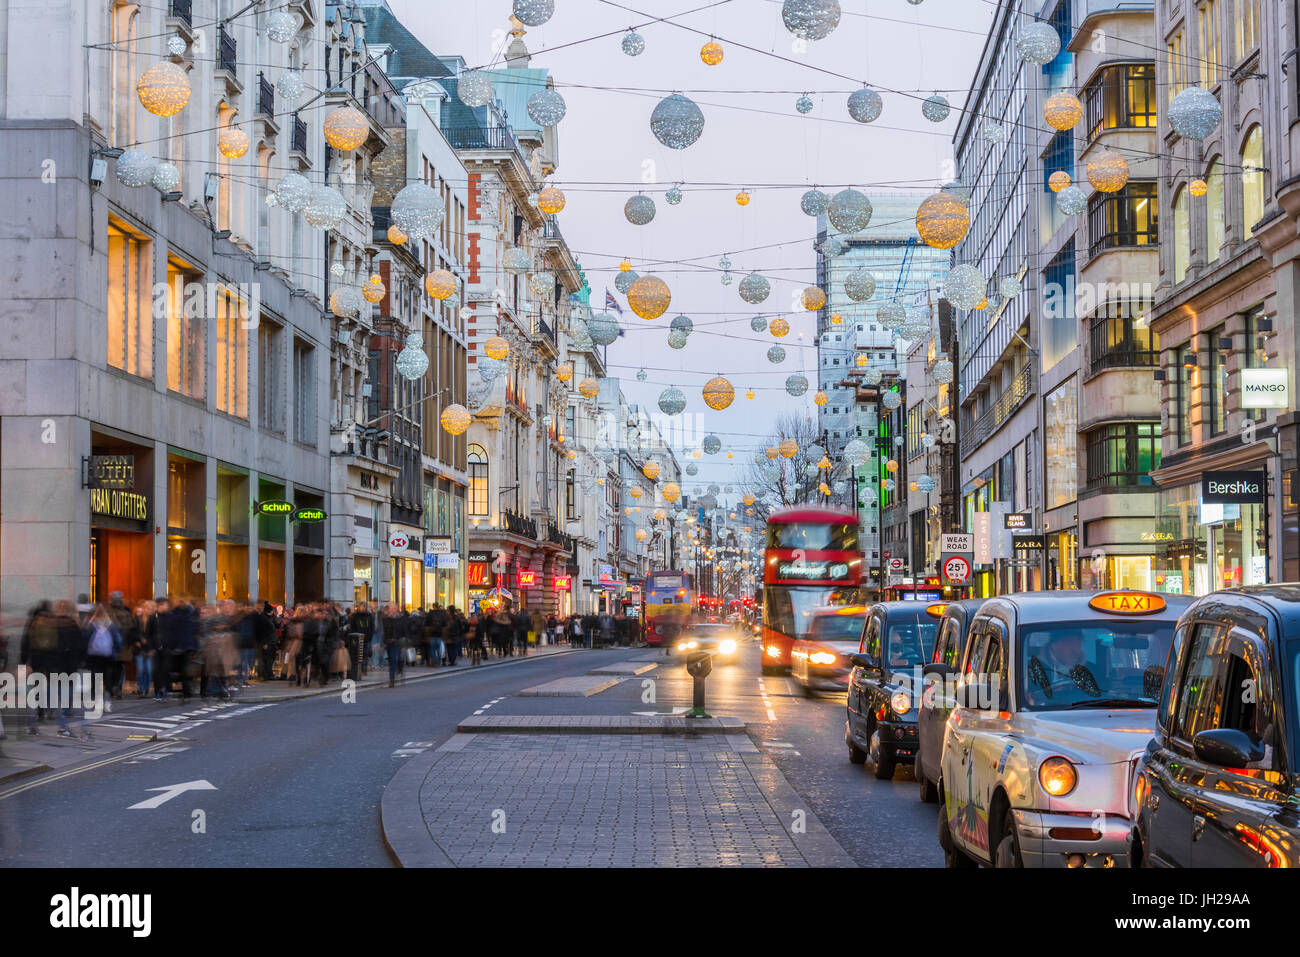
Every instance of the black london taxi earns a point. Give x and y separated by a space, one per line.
897 639
1219 785
936 700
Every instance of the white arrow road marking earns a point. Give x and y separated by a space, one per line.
662 714
169 792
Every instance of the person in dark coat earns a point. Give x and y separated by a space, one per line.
477 637
39 651
589 625
521 622
264 640
394 630
361 624
327 639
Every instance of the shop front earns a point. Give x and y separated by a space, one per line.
119 476
1214 533
479 579
186 525
406 558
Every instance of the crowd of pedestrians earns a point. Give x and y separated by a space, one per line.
174 646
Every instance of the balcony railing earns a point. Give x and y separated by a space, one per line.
299 135
226 44
979 431
481 138
518 525
265 96
180 9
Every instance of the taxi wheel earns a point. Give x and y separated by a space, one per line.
856 754
808 691
929 793
884 767
1008 852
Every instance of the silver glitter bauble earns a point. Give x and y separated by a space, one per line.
682 323
515 261
281 25
810 19
804 104
776 355
294 192
891 401
711 445
533 13
865 105
856 453
641 375
916 327
758 324
677 339
796 384
412 361
633 43
935 109
754 288
1009 287
346 302
290 85
943 372
860 285
891 315
964 287
1194 113
546 107
135 168
1038 43
676 122
623 281
166 177
1072 201
849 211
831 247
639 209
580 339
814 202
325 209
994 132
542 284
925 484
176 45
726 279
603 327
692 469
489 368
418 211
672 401
474 88
673 196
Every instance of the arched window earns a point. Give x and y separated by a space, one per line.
478 480
123 75
1182 236
1252 181
1214 224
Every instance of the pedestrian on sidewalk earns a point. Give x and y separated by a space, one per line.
71 654
537 627
453 634
127 629
103 641
393 629
477 636
362 623
143 651
39 651
502 631
264 639
433 641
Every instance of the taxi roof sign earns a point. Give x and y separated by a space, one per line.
936 609
1127 603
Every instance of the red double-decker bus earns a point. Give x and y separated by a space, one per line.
811 560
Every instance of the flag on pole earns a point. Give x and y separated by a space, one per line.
612 303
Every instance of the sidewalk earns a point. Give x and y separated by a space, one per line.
22 755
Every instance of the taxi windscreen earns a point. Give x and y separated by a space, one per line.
909 641
837 628
1083 664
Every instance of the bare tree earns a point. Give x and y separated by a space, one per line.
783 482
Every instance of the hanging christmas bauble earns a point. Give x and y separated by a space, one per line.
718 393
813 298
1059 180
1038 43
1194 113
672 401
440 284
136 168
754 288
290 85
281 25
346 302
455 419
346 128
474 88
589 388
849 211
1107 171
533 13
1062 111
418 211
758 324
649 297
1072 201
233 142
859 285
810 19
776 355
796 384
676 122
856 453
639 209
865 105
412 361
964 287
779 328
164 88
325 208
891 315
935 108
673 196
167 176
712 445
814 202
891 400
942 220
542 284
633 43
943 371
804 104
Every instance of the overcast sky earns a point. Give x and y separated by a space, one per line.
752 137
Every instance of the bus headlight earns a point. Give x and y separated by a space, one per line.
773 651
822 658
726 647
1057 776
900 703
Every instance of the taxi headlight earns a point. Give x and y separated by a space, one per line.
822 658
726 646
687 645
773 651
901 702
1057 776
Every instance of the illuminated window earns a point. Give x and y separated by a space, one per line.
1247 27
1177 66
1214 226
1207 18
122 67
1182 236
1121 97
478 480
231 372
1125 218
130 312
1252 180
185 334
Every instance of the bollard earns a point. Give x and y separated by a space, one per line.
698 666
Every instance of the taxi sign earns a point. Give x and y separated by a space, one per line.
936 610
1127 603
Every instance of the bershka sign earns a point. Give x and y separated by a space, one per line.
1264 389
1232 488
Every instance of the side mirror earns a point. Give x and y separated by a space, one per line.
937 669
1153 679
1227 747
862 660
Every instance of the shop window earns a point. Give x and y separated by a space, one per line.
232 354
1214 223
1255 355
122 67
478 481
1125 218
1183 384
1122 96
1061 415
186 336
130 314
1252 181
1177 65
1123 455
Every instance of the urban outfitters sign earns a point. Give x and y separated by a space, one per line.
118 503
1232 488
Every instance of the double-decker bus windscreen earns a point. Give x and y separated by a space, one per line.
813 536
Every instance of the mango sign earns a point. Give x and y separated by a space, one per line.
1127 603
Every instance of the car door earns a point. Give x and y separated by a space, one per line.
1234 808
858 694
1175 774
957 768
935 702
987 734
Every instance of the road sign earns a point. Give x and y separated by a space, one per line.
957 570
895 564
956 542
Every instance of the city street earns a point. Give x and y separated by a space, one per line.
300 783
